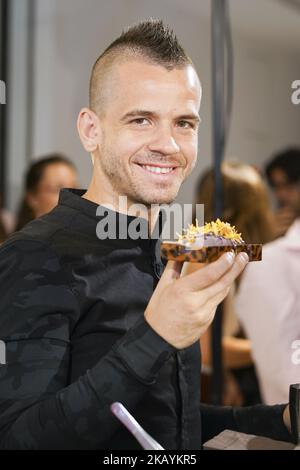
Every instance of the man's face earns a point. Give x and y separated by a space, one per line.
149 131
287 194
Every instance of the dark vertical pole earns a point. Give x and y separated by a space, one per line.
30 77
218 38
3 76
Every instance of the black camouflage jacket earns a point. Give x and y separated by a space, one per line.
71 319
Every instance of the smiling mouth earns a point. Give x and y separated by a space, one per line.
157 170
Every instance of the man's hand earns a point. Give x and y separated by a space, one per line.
287 418
181 309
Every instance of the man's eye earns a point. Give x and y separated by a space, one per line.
141 121
186 124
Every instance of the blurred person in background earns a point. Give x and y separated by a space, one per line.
283 175
245 206
268 306
7 223
43 182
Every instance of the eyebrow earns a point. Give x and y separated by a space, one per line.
145 113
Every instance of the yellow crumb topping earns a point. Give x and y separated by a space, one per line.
217 228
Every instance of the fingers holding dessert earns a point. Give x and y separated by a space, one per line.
205 244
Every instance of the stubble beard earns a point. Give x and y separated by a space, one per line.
125 184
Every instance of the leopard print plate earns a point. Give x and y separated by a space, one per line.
207 254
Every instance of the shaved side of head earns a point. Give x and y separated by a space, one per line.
149 41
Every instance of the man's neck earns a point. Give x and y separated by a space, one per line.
106 196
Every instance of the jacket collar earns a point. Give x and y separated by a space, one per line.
73 199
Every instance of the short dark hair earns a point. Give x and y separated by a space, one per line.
288 161
37 168
33 177
152 40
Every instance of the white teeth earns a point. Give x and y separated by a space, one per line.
156 169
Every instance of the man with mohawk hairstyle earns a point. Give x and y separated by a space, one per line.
88 322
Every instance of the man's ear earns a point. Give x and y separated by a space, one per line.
88 127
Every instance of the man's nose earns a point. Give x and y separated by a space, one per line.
164 142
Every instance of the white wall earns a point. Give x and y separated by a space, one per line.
264 118
70 34
17 100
